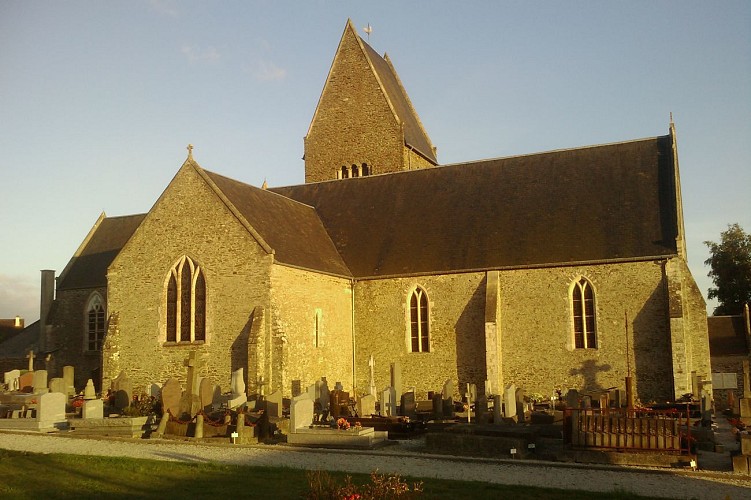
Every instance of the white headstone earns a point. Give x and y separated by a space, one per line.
93 408
57 384
366 406
10 379
388 402
40 382
69 377
448 389
300 412
238 389
51 408
509 401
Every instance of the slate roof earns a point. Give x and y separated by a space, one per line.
596 203
414 134
88 268
291 229
18 346
727 336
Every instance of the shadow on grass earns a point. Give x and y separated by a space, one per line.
32 476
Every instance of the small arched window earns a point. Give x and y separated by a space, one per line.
345 172
355 171
583 314
419 321
365 169
186 303
95 323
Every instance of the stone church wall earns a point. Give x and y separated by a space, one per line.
187 220
68 340
535 329
300 300
353 123
457 331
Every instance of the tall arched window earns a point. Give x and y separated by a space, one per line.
355 170
95 323
419 321
345 172
186 303
365 169
583 313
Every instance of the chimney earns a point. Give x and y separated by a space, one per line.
18 323
48 295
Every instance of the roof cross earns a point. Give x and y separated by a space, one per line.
190 151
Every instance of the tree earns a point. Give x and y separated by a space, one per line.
730 264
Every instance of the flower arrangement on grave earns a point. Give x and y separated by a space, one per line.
77 402
358 426
342 424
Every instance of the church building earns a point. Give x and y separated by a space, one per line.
555 270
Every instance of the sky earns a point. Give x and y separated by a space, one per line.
98 100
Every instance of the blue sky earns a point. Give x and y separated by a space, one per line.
98 100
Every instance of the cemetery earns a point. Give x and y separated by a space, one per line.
607 427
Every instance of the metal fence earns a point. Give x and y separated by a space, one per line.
628 430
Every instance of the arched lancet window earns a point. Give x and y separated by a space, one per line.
583 313
345 172
186 303
355 171
95 323
365 169
419 321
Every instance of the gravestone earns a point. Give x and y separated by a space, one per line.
93 408
481 410
10 379
274 404
190 402
26 382
448 407
366 406
338 386
339 403
396 378
497 407
520 417
238 389
388 402
89 392
372 390
408 405
448 389
171 393
472 394
572 398
155 391
437 406
206 394
123 389
31 357
51 409
488 388
322 388
300 412
68 376
296 388
509 401
39 383
57 384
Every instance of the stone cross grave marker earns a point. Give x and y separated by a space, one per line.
31 357
373 390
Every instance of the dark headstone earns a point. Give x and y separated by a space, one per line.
296 388
121 400
481 410
408 405
26 382
437 406
448 408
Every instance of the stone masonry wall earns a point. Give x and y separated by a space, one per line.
69 336
457 331
535 329
353 123
188 219
298 298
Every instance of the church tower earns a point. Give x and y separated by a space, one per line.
364 123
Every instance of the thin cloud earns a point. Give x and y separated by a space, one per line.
166 7
196 54
267 71
19 295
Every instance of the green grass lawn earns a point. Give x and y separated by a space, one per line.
34 476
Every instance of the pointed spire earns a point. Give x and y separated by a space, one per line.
264 186
190 151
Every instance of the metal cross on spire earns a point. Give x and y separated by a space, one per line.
368 29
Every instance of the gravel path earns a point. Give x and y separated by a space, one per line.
403 460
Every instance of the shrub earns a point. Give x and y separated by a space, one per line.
321 486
